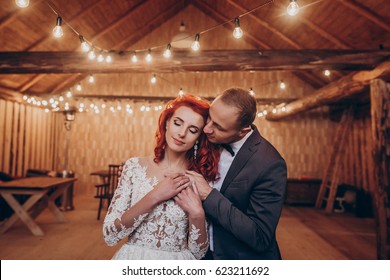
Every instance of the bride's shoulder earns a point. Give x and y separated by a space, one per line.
142 161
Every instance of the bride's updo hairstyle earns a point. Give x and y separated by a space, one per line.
207 156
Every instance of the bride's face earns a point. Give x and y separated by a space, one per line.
183 129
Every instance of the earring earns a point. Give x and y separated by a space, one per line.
196 148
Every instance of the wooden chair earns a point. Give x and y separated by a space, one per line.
105 192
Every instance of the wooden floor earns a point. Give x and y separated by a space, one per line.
303 234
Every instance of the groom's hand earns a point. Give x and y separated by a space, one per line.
203 187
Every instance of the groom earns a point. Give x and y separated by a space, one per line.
245 204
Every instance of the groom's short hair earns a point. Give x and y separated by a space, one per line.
244 102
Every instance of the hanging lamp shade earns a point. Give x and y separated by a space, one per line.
182 39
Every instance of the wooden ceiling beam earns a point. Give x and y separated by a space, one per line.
333 92
186 60
366 12
10 94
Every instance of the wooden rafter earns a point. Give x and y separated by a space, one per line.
187 60
253 40
11 16
266 25
124 44
37 78
367 13
321 31
333 92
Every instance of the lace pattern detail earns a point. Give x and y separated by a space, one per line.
165 228
199 250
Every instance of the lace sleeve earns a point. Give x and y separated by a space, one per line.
198 243
113 229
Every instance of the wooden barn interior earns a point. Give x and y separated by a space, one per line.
320 78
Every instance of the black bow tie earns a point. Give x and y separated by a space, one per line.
228 148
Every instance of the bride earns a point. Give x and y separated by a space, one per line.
155 205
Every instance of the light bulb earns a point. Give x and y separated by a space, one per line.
167 52
91 54
251 92
100 58
148 57
69 94
108 58
134 58
153 80
292 8
57 30
327 73
22 3
181 92
91 79
79 87
237 32
195 45
84 45
282 85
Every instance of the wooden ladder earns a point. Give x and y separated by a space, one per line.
328 188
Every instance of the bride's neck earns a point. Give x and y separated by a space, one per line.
174 161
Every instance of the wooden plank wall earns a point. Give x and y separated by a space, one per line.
358 162
26 138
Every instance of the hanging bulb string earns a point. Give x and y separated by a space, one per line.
163 45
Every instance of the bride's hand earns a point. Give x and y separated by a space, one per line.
189 200
171 185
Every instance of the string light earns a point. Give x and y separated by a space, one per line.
91 79
57 31
22 3
251 92
292 8
84 45
167 52
195 45
100 57
134 58
153 80
148 57
68 94
237 32
282 85
108 58
181 92
91 54
327 73
79 87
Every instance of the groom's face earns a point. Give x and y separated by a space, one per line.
222 124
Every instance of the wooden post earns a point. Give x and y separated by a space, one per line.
380 185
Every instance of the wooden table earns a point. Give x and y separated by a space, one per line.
40 199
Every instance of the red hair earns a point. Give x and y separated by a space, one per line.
207 156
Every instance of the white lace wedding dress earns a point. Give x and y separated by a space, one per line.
161 234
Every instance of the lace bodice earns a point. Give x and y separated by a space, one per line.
165 228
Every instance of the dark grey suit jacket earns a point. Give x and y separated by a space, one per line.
246 211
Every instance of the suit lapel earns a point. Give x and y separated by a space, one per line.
243 155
